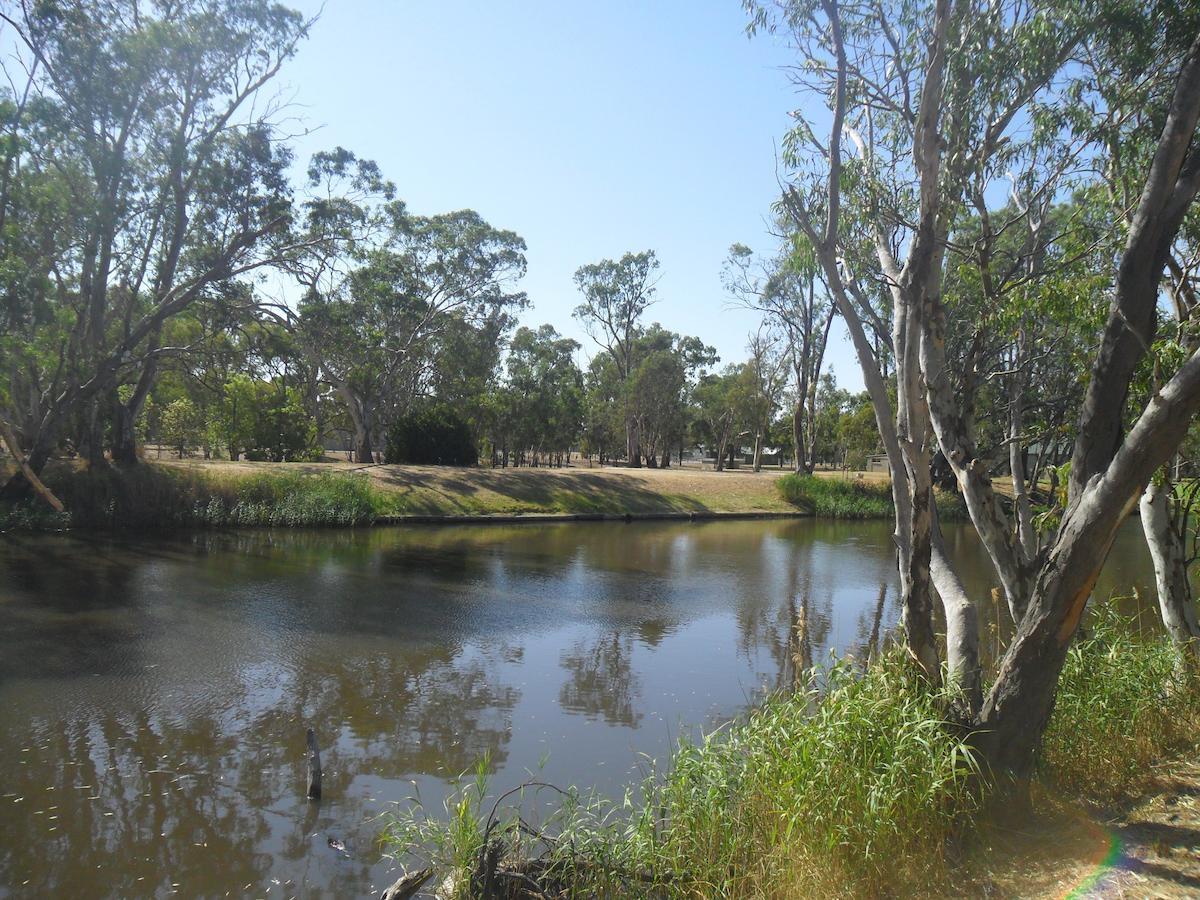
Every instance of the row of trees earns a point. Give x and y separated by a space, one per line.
163 278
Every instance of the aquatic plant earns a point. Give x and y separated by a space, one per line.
857 498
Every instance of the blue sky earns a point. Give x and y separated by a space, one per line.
589 129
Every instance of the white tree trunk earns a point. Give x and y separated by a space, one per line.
1169 552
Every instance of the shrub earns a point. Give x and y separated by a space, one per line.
432 434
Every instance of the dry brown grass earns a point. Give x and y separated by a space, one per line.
446 490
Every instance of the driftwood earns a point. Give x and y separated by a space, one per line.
407 885
314 766
14 448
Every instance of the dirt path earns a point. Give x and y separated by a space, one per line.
1155 846
1152 849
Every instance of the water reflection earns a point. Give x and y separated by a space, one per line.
156 691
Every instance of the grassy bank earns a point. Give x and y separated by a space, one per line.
149 497
860 790
858 498
194 492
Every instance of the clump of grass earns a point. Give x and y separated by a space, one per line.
31 515
149 496
1123 705
295 499
837 498
851 793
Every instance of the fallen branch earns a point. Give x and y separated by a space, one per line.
14 448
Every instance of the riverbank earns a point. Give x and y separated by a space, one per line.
858 787
217 493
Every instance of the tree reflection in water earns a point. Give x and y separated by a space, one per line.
156 691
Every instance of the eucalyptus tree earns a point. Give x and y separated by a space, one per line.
545 395
788 291
616 294
665 366
140 148
389 297
922 99
718 405
603 411
765 374
376 335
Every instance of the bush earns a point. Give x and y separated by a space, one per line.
432 434
857 792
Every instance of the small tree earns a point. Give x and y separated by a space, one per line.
181 425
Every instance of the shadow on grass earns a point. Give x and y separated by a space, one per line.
473 491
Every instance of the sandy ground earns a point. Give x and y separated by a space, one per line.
1150 849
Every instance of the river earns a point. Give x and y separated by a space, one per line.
155 691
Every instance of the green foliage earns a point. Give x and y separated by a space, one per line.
858 436
851 792
182 425
31 515
839 498
1123 705
431 434
540 407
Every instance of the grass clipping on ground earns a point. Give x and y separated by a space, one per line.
857 789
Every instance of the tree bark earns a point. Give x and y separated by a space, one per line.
1168 550
1017 709
26 471
798 437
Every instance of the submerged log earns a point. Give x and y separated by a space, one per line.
314 766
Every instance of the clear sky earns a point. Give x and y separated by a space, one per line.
589 129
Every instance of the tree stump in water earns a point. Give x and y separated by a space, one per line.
314 766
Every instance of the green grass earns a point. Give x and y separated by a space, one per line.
837 498
857 791
1123 706
149 497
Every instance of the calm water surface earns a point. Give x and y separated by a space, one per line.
155 693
